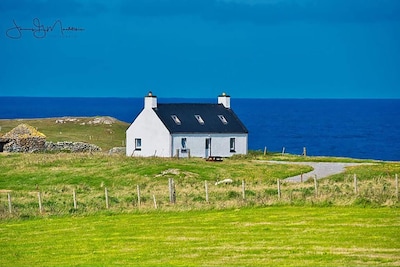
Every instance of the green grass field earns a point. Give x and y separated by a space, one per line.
272 236
336 227
56 176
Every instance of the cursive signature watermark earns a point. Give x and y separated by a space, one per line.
39 30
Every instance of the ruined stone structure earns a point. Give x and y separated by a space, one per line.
24 138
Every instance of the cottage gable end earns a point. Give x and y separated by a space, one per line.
150 132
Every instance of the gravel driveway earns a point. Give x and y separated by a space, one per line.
321 169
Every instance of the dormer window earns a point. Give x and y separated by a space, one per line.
199 119
176 119
222 118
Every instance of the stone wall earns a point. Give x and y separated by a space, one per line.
26 144
71 147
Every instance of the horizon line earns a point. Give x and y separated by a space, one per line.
173 97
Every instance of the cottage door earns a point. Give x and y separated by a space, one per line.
208 147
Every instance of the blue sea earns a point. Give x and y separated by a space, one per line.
359 128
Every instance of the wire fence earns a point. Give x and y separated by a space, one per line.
181 195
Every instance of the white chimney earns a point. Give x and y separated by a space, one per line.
225 100
150 101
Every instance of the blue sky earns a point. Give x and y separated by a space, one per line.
200 48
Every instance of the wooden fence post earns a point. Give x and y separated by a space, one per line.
397 186
172 193
206 188
9 202
355 184
279 189
170 189
301 177
155 202
40 202
244 189
138 194
74 197
106 194
315 185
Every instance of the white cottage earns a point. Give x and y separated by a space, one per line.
201 130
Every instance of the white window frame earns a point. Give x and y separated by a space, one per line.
176 119
223 119
199 119
183 144
138 144
232 144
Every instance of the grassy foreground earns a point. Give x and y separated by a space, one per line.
289 236
57 176
299 228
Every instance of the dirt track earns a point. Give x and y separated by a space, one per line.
321 169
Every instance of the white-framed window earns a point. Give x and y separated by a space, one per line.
223 119
183 144
138 143
208 143
176 119
199 119
232 144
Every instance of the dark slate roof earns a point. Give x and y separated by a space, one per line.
208 112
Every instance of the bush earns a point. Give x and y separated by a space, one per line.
250 193
271 192
363 202
199 199
233 194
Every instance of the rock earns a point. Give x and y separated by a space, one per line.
67 119
225 181
97 120
117 150
103 120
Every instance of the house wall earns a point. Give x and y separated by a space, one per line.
220 144
155 138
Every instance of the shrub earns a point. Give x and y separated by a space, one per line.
362 201
271 192
199 199
233 194
250 193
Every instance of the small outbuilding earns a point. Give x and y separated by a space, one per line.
186 129
23 138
